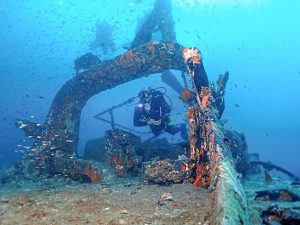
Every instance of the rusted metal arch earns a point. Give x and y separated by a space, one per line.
61 128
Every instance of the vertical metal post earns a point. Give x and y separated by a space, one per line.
112 119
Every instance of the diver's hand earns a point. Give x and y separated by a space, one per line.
154 122
147 107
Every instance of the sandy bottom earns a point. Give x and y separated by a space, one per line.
103 204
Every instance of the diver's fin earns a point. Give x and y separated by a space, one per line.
168 78
31 129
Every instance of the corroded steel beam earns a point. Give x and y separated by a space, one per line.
211 156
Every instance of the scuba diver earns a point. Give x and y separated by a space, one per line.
154 111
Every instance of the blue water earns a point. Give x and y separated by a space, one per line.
256 41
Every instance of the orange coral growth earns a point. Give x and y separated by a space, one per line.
205 96
151 48
129 54
192 54
171 45
184 168
202 176
197 182
215 157
186 95
191 113
92 174
200 168
212 138
198 179
208 181
120 162
126 57
202 149
205 100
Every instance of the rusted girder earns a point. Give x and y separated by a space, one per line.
201 137
210 155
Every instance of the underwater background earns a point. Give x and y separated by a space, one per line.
256 41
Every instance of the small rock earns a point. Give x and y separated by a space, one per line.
166 197
133 192
121 221
123 211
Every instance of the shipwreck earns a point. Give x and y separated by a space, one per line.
216 158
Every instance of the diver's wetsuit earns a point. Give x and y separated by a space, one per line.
155 114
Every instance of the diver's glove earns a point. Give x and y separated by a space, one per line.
154 122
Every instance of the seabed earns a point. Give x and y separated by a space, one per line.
127 202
